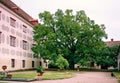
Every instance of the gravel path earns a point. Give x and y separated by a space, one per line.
87 77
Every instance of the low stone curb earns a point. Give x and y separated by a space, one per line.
18 79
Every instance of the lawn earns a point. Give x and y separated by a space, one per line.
58 75
48 75
117 75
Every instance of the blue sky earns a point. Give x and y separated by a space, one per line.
105 12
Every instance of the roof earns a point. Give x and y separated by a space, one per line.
112 43
12 6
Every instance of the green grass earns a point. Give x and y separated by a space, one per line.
117 75
58 75
25 74
48 75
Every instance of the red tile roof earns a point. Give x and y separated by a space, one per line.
19 11
112 43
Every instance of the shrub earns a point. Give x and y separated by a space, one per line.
40 69
62 63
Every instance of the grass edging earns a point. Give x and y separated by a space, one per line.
18 79
116 75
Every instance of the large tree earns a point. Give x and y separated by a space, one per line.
74 36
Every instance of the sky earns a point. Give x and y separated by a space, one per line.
105 12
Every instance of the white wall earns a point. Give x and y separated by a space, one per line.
8 52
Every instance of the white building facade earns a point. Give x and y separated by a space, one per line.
16 38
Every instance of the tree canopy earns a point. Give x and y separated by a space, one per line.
74 36
107 57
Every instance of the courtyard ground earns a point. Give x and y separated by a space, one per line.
86 77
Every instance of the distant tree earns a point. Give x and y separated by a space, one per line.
108 57
73 35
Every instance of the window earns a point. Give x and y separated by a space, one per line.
12 63
32 63
12 41
40 63
23 63
24 29
0 15
25 45
12 22
0 37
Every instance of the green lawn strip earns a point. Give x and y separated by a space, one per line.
25 75
54 75
48 75
117 75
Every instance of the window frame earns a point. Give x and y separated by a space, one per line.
12 22
12 41
24 29
33 64
24 45
23 63
12 63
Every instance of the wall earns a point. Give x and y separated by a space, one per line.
16 52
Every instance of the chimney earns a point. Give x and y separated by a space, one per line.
112 40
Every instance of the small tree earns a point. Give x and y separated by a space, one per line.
62 63
40 69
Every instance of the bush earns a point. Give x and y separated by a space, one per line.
53 64
40 69
62 63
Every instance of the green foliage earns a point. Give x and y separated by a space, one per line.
40 69
62 63
108 56
73 35
2 75
53 64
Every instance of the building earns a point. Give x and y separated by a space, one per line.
112 43
16 37
115 43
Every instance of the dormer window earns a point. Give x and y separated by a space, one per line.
12 22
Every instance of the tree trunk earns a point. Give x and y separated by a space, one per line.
91 64
71 64
104 67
